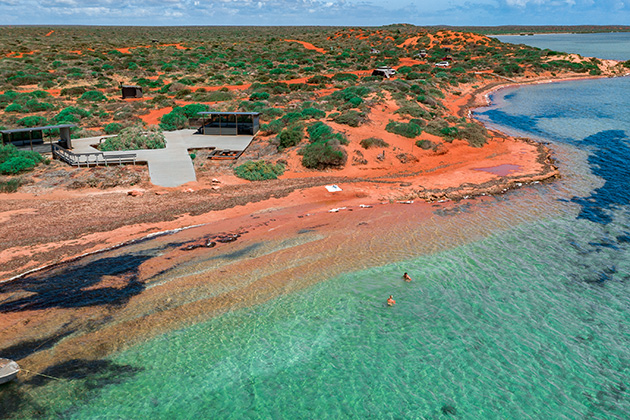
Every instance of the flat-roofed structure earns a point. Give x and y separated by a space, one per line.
131 91
229 123
35 135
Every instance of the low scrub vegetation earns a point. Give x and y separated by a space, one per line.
259 170
134 138
10 185
325 149
409 129
372 142
14 161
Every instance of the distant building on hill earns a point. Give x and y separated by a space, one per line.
131 91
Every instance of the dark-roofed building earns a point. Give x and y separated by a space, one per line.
35 135
229 123
131 91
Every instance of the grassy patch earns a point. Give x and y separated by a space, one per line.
259 170
14 161
372 142
134 138
10 185
409 130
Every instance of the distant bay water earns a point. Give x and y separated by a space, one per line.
610 46
531 321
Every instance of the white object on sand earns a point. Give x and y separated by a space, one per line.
333 188
336 210
8 370
365 206
405 202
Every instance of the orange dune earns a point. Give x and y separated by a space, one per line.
20 54
405 61
153 117
178 46
307 45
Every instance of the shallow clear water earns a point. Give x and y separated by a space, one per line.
611 46
530 321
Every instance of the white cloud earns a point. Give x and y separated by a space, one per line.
318 12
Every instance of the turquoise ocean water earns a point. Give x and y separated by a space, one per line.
611 46
531 321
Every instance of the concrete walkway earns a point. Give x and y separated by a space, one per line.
172 166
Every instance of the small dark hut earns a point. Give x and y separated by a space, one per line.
131 91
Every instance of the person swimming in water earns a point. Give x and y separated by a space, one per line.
391 301
406 277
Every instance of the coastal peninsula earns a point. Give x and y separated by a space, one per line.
395 146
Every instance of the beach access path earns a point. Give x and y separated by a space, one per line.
171 166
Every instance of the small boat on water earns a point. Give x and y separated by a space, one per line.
8 370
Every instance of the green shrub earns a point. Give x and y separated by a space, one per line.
449 132
174 120
318 79
134 138
73 91
113 128
435 126
259 96
11 185
218 96
312 113
409 130
320 155
373 142
475 134
352 118
14 161
291 117
71 114
14 107
320 132
355 102
32 121
425 144
93 96
341 77
273 127
259 170
193 110
33 105
290 137
39 94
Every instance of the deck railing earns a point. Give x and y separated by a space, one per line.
92 158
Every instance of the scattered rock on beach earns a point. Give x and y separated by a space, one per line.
135 193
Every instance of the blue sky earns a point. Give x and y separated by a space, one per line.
315 12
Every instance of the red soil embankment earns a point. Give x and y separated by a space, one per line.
153 117
307 45
14 54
